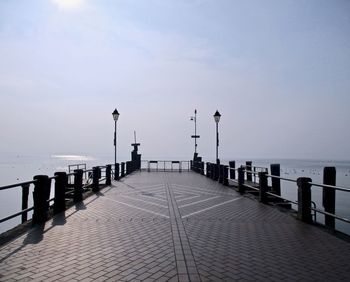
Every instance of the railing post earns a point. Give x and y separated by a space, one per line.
276 182
122 170
191 164
213 170
108 175
116 171
95 179
304 199
232 171
208 169
61 182
127 169
217 171
40 197
329 178
263 187
25 195
221 173
225 180
78 185
248 169
241 187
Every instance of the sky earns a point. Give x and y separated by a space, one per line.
278 71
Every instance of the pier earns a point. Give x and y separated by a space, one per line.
173 225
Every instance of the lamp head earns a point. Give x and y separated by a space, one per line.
115 115
217 116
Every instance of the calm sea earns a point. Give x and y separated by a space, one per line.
14 169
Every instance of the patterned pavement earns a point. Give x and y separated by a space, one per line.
168 226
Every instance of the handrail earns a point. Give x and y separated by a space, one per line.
330 186
282 178
252 172
17 185
69 189
16 214
265 190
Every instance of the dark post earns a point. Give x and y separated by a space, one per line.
95 179
41 190
329 178
263 187
116 171
122 169
208 169
25 195
108 175
225 182
127 168
202 168
221 173
249 168
241 187
217 171
191 162
78 185
304 199
276 182
232 171
61 182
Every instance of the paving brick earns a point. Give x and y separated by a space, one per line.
125 234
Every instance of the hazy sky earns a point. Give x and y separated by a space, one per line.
278 72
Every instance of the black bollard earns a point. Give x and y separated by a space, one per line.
263 187
248 169
232 165
276 182
225 173
40 196
127 164
108 174
304 199
116 171
221 173
95 179
208 169
329 178
122 169
61 182
241 187
78 185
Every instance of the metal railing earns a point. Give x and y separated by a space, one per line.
256 179
25 193
165 165
66 186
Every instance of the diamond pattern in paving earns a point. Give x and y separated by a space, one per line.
174 227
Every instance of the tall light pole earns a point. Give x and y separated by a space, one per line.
217 119
115 117
195 136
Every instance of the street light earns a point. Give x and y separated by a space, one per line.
115 117
195 136
217 119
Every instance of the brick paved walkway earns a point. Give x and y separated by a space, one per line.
176 227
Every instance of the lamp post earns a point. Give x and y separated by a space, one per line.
195 136
217 119
115 117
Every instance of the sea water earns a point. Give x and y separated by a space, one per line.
19 168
